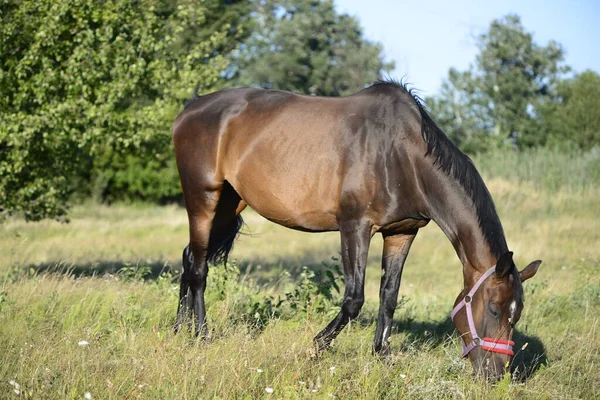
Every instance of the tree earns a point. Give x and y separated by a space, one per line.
84 80
501 96
576 117
305 46
465 122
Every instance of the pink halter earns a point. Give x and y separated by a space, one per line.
488 344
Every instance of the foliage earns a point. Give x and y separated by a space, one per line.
315 291
576 117
148 173
134 272
84 82
498 101
305 46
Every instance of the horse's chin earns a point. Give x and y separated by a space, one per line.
491 367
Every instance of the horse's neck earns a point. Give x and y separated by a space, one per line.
453 210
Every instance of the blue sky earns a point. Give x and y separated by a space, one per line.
425 38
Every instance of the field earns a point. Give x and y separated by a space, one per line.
86 308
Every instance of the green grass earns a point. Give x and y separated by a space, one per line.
127 320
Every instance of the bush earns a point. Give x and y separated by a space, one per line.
247 303
86 83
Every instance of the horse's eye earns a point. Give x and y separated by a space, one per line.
494 311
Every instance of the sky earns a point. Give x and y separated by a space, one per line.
425 38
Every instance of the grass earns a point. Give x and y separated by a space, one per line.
545 168
127 320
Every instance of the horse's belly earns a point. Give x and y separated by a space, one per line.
304 220
303 198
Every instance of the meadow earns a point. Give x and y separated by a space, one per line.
87 308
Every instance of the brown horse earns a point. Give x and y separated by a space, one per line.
371 162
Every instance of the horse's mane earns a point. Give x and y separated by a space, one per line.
459 166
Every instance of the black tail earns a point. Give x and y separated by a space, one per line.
221 243
195 97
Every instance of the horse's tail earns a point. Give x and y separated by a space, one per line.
195 96
220 243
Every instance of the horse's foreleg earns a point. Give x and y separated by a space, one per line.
356 236
395 250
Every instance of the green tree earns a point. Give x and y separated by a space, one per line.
502 95
83 80
576 117
305 46
468 124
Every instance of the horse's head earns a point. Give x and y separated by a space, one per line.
485 314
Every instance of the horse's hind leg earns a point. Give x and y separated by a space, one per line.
201 205
214 223
185 298
356 236
395 250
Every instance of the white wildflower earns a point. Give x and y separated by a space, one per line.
259 370
15 384
269 390
83 343
88 395
332 370
366 369
402 376
17 391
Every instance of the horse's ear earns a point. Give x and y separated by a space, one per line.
505 264
529 270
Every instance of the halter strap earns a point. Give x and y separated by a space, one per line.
488 344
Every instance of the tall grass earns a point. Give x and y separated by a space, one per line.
544 168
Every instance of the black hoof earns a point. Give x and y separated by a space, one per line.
322 345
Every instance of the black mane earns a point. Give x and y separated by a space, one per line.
459 166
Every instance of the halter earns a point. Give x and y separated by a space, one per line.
488 344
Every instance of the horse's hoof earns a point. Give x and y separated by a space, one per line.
388 360
321 346
176 328
384 354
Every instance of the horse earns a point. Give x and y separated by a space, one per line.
371 162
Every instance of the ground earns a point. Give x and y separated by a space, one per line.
71 325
